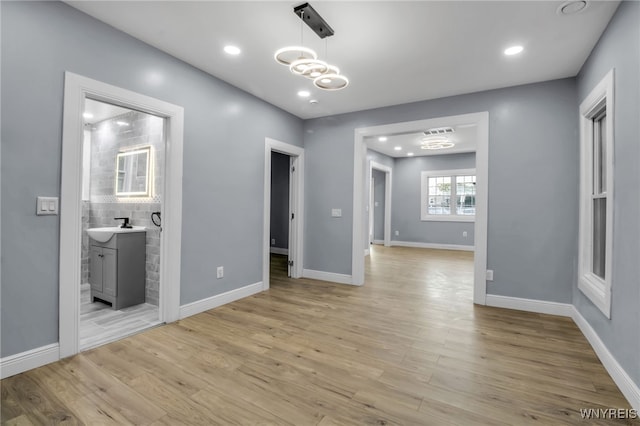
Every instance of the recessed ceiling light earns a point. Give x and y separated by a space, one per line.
313 101
397 148
382 138
232 50
122 123
304 93
87 115
572 7
513 50
409 154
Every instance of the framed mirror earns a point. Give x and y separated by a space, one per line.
133 169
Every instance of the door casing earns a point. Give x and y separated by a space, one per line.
76 89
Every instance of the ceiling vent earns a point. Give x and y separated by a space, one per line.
439 131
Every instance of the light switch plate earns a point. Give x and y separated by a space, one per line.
47 206
336 212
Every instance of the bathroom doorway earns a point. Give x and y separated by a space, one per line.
122 180
137 151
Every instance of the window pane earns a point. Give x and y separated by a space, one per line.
603 154
439 195
466 195
599 154
599 236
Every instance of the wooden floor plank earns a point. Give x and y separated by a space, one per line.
408 347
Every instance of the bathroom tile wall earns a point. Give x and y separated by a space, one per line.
107 139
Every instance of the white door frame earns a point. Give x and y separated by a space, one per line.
481 121
296 206
372 219
76 89
388 176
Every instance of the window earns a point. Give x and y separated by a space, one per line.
449 195
596 194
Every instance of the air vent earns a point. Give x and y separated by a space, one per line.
439 131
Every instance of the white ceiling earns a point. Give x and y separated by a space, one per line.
100 111
393 52
464 138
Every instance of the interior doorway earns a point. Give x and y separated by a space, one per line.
78 90
380 199
479 122
282 152
122 181
280 224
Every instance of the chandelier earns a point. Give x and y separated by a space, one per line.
304 61
436 142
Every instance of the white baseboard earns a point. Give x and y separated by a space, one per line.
279 250
629 389
379 242
327 276
432 245
530 305
34 358
219 300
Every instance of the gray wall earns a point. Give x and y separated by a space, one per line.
280 199
619 48
406 201
378 157
224 137
379 204
522 236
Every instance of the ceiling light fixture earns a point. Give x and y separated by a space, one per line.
437 142
397 148
513 50
409 154
304 61
232 50
87 115
304 93
382 139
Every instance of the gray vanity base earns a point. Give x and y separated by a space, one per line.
117 270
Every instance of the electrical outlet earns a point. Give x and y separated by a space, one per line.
397 233
273 241
464 234
489 274
220 272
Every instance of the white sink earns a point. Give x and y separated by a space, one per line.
102 235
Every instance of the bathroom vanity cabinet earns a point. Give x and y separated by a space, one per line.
117 269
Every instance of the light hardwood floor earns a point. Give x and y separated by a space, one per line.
409 347
100 324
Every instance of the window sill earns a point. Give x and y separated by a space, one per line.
597 291
448 218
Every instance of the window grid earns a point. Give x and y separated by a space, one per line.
449 194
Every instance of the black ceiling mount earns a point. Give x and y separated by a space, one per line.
313 19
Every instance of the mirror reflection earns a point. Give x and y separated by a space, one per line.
132 173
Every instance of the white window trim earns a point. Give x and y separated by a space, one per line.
424 213
594 287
